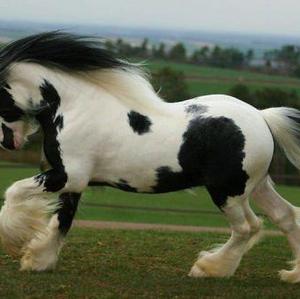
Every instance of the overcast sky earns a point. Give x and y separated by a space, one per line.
254 16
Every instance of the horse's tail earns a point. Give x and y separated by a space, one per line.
284 124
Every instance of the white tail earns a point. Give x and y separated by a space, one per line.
284 124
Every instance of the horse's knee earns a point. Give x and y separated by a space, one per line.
243 230
285 219
256 226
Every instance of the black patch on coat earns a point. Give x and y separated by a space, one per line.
211 154
52 180
8 138
59 122
139 123
51 125
169 180
66 212
98 184
8 109
195 108
123 185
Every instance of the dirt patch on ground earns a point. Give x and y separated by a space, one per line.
158 227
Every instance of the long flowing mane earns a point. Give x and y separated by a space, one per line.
86 56
64 51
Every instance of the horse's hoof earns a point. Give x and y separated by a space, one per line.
197 272
292 276
34 262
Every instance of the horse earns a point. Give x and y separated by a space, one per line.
104 124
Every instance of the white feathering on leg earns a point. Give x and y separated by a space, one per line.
21 219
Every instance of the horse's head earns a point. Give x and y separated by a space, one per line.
35 71
15 124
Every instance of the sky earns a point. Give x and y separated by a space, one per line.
246 16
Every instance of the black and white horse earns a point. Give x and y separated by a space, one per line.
104 124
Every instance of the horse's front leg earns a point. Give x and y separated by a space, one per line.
24 217
25 211
42 251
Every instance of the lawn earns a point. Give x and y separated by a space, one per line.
212 80
183 207
145 264
215 72
126 264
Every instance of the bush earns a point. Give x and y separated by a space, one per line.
171 84
241 92
266 97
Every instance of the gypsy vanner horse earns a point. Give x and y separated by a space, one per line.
104 124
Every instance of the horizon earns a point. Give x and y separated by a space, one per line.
257 17
73 25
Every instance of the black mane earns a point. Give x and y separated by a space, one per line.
60 50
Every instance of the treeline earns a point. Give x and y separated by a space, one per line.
210 56
287 60
282 61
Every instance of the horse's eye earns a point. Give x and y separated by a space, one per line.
9 116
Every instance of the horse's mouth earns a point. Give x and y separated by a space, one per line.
18 143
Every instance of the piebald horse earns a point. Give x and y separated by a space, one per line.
103 124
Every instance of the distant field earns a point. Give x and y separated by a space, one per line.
211 80
115 205
127 264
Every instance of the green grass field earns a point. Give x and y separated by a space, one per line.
114 205
215 72
212 80
123 264
145 264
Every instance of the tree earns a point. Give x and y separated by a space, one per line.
178 52
201 56
171 84
289 55
249 56
144 48
230 58
287 59
159 52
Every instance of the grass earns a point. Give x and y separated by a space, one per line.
100 203
200 86
215 72
126 264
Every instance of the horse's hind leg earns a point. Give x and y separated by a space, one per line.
287 217
43 250
224 260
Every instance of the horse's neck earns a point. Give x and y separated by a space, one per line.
84 95
109 90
